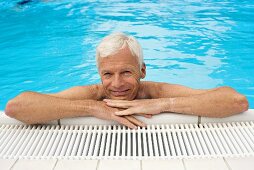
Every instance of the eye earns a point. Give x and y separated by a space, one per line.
127 73
106 74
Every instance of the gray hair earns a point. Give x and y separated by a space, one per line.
112 43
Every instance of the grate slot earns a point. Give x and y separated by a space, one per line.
97 142
150 142
240 145
134 144
76 143
144 141
165 142
170 141
113 142
207 141
197 140
180 139
231 141
154 141
248 131
140 146
213 141
175 141
10 145
87 141
51 140
191 139
6 137
186 141
103 139
160 143
123 150
91 145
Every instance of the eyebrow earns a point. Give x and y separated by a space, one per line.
105 71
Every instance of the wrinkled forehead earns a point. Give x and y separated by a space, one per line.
123 58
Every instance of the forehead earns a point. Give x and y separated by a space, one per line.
122 59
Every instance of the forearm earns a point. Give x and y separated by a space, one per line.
34 108
211 104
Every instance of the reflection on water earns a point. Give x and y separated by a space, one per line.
199 44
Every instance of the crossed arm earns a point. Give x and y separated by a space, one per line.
32 107
217 102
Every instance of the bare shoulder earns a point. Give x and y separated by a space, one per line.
80 92
167 90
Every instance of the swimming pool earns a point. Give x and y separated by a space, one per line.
50 46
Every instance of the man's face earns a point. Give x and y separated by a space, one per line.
120 75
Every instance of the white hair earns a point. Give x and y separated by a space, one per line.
112 43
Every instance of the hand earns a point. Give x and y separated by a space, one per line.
143 106
105 112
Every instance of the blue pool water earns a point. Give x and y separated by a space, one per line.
50 46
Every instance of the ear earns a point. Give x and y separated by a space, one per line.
143 71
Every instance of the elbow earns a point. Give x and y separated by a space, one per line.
239 101
11 108
242 103
14 107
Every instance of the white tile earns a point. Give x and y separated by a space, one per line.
205 163
170 118
241 163
4 119
6 164
119 165
76 165
163 118
174 164
245 116
26 164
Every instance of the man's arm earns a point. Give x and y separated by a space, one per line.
221 102
32 107
217 102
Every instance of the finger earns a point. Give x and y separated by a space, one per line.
125 122
127 102
135 121
124 112
119 105
119 101
146 115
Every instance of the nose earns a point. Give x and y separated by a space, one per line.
117 81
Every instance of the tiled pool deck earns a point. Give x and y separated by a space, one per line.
220 163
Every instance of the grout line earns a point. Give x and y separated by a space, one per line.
97 166
14 164
227 163
55 164
184 165
141 166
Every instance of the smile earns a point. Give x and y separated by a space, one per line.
119 92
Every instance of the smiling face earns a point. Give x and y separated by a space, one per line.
120 75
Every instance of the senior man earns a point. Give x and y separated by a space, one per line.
122 94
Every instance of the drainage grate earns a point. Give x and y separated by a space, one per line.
118 142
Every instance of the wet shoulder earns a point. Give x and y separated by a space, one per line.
98 89
152 89
147 89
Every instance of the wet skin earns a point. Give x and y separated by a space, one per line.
120 75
